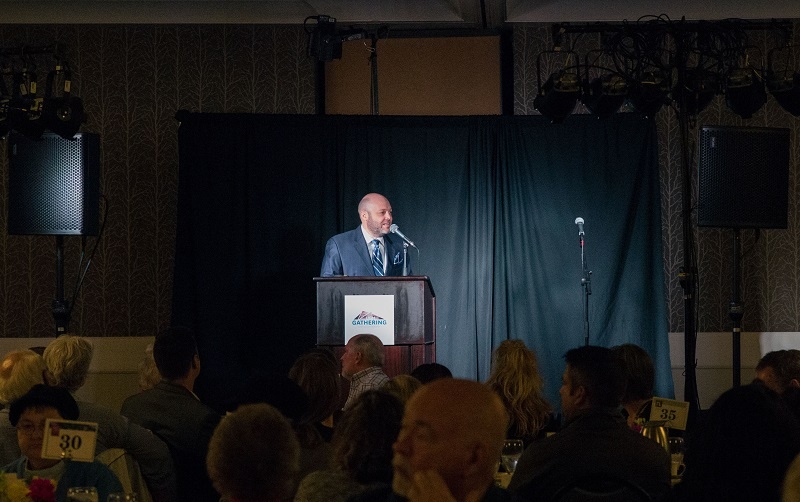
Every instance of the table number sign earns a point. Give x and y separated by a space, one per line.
69 439
674 413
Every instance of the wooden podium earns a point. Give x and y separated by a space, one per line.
414 317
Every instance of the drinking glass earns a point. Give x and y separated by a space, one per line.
676 451
122 497
512 450
82 494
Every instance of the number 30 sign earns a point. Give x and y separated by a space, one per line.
69 439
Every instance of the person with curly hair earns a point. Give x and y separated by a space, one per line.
515 378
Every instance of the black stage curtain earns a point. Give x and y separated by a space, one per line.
490 201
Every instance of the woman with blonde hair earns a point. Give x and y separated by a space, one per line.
515 378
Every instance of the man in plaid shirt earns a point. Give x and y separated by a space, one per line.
362 364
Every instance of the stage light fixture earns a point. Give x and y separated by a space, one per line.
63 114
558 96
785 88
744 92
699 86
650 92
604 95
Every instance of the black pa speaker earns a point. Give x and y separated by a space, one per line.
54 185
743 177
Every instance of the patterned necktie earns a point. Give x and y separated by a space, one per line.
377 259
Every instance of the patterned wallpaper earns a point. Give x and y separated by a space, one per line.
133 79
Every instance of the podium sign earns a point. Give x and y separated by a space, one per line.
372 314
401 311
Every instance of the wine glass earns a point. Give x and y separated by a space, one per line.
512 450
82 494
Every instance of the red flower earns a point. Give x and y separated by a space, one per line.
42 490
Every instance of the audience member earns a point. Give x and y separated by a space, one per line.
175 414
253 455
402 387
19 371
285 395
148 372
428 372
362 364
317 373
640 377
791 482
741 449
362 444
779 370
67 359
29 414
449 445
595 439
515 378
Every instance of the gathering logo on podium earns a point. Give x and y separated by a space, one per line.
372 314
368 319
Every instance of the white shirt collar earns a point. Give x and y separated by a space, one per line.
369 238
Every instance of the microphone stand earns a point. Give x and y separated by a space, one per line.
405 258
586 282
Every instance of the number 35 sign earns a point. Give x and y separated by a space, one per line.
673 412
69 439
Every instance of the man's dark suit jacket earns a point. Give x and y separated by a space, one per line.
596 442
185 424
348 254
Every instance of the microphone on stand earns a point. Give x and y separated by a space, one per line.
396 230
579 222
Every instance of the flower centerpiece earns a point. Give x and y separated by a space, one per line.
13 489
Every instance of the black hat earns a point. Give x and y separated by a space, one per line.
42 395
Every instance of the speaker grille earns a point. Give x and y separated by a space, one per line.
54 185
743 177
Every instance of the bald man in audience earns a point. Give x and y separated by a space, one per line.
450 443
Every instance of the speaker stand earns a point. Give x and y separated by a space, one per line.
61 310
735 309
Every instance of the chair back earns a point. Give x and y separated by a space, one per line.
125 467
601 487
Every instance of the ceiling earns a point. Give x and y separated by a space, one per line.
414 14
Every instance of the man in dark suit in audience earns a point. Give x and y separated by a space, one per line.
595 439
174 413
369 250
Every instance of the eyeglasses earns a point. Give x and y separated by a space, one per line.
29 428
